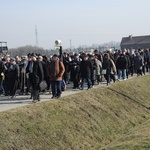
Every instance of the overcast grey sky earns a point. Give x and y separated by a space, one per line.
84 22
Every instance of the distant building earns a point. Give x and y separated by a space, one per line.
135 42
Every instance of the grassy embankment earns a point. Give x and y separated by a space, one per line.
113 117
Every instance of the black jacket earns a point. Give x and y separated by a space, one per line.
85 68
2 69
122 62
13 72
38 73
74 69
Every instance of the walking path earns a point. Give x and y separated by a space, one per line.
6 103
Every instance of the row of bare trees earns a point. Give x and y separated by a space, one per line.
24 50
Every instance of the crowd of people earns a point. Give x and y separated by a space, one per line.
27 72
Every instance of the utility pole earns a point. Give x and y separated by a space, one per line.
36 37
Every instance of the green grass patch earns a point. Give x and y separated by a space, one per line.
112 117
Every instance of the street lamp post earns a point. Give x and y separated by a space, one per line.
59 46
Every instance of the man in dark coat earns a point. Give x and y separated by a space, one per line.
93 73
37 75
28 74
2 70
12 73
66 62
74 71
5 82
138 63
85 71
44 65
121 65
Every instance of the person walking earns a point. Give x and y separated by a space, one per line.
109 68
66 61
55 71
98 69
36 76
121 65
29 75
85 71
93 72
44 66
12 73
2 76
74 68
138 63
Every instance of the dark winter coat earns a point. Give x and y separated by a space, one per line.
74 69
138 62
38 73
109 65
85 68
12 72
45 64
93 74
121 62
2 69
